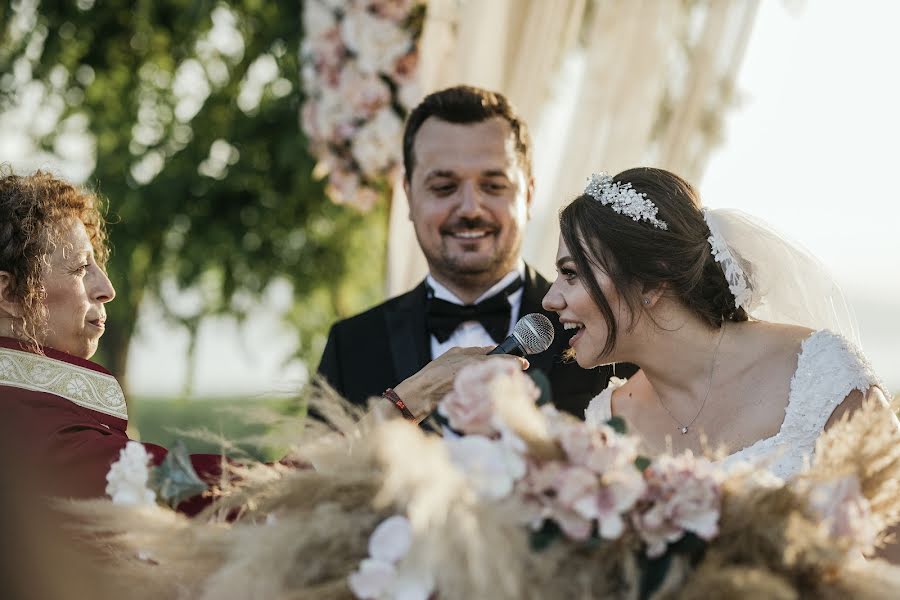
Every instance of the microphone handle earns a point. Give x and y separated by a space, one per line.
509 346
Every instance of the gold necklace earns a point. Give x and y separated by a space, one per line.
712 367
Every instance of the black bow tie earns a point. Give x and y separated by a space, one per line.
442 317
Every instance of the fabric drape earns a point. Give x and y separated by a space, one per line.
603 85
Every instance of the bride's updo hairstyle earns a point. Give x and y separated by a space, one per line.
638 255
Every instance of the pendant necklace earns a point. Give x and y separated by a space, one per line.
712 367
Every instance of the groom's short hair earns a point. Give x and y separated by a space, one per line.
466 104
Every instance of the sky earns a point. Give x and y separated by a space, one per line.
812 149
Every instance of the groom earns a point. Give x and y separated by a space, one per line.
468 179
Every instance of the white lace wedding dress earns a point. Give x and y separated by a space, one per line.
828 368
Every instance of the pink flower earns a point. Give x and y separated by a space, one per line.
844 511
618 494
537 491
600 448
469 407
683 494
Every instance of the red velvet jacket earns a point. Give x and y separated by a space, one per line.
64 421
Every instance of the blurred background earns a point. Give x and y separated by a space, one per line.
248 152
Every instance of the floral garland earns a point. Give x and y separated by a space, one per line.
359 60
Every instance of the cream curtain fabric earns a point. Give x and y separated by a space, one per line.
604 84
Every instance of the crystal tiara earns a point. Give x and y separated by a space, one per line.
623 199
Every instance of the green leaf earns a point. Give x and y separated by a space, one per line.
543 384
175 480
618 424
546 535
641 463
653 573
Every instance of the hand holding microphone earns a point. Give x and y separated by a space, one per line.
532 334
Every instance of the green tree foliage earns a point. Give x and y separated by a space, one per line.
193 106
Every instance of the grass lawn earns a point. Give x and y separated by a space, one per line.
210 425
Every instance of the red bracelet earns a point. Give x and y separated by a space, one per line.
390 394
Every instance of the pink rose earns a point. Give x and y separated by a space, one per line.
550 489
683 494
598 448
470 406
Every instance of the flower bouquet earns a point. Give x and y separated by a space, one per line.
517 500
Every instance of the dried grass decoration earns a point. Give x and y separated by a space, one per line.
523 502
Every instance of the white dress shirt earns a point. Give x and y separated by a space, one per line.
473 333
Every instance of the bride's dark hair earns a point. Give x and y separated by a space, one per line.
638 256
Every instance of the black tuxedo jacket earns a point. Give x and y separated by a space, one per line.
381 347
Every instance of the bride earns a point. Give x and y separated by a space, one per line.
730 355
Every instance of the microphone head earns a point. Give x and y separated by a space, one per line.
534 332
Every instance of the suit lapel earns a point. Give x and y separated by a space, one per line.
407 337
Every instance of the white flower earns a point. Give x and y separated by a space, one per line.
378 43
385 574
409 95
492 467
412 584
329 118
317 18
375 146
391 539
127 477
373 578
365 93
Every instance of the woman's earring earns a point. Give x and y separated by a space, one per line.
647 301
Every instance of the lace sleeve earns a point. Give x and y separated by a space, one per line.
829 368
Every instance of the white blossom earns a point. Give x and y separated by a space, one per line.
376 143
491 466
385 574
372 579
378 43
127 477
391 539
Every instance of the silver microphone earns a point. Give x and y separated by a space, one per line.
532 334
